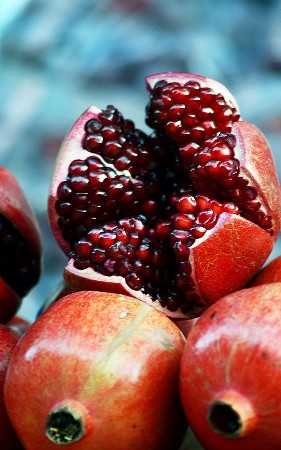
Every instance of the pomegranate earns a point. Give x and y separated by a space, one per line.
8 341
20 246
270 273
97 370
231 369
177 218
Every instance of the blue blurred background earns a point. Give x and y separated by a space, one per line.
58 58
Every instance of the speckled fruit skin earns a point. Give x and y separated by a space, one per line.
8 341
230 254
15 207
270 273
115 357
233 355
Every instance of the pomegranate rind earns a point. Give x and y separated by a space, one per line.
271 273
257 165
88 279
182 78
70 150
229 257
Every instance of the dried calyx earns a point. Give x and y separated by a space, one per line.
136 206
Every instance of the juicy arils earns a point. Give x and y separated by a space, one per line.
20 245
177 218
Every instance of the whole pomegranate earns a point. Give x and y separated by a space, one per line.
177 218
20 244
8 341
231 370
97 370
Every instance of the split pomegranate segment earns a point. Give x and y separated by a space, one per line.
20 243
177 218
18 265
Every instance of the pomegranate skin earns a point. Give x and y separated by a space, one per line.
229 258
270 273
230 372
8 341
112 362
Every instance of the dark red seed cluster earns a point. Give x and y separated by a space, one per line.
18 266
118 141
123 248
189 112
214 170
94 193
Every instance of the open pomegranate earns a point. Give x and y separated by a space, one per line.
177 218
20 244
231 369
97 371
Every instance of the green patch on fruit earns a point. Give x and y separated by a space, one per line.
164 339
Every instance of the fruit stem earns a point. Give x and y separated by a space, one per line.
67 423
232 415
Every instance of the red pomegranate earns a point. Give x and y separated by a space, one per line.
231 369
177 218
97 370
20 246
8 341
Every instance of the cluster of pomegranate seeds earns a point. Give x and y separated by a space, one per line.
214 170
189 112
136 206
94 193
123 248
118 141
17 263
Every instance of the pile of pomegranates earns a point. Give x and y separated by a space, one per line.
166 323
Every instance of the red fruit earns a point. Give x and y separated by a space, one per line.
231 369
176 219
97 370
20 246
8 341
271 273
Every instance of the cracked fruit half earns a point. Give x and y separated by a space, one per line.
176 218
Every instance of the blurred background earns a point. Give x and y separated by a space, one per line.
58 58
